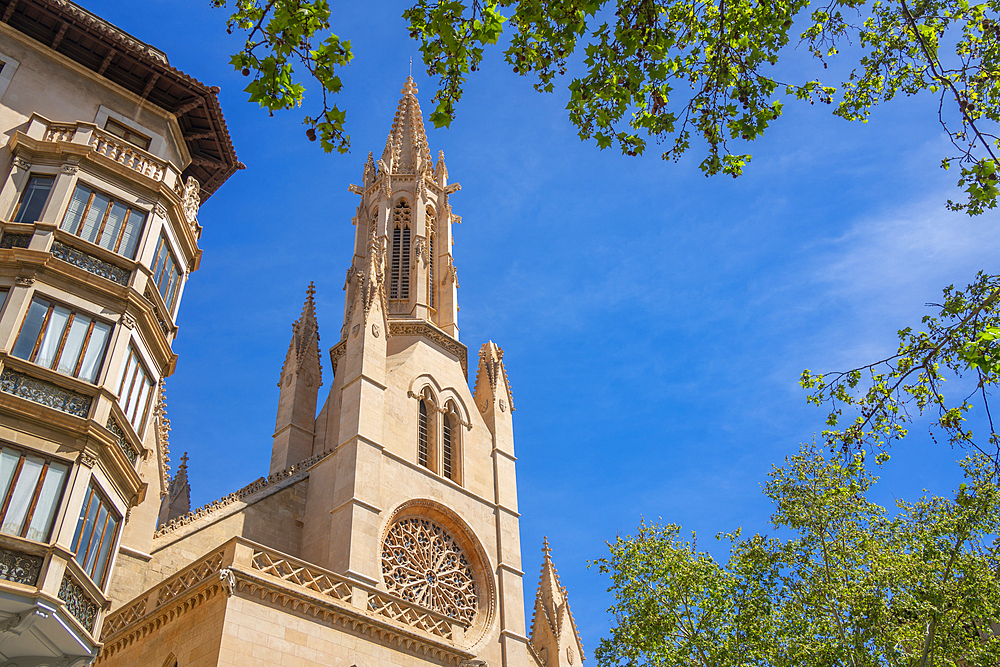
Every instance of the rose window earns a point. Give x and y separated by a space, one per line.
423 564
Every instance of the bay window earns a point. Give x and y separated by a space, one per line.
29 209
135 390
166 276
100 219
32 487
61 338
95 534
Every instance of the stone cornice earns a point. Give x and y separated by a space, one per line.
429 332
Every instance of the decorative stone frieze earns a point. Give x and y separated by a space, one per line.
19 567
21 163
91 264
435 335
44 393
24 281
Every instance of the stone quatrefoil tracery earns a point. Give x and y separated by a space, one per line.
423 564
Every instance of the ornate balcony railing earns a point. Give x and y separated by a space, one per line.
90 263
19 567
123 442
44 393
15 240
127 155
78 603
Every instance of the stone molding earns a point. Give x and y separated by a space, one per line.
432 333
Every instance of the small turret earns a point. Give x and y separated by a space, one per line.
553 631
301 378
177 501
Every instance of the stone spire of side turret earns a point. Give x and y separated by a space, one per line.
406 150
554 637
301 378
177 501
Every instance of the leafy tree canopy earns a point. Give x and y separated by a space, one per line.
668 71
850 587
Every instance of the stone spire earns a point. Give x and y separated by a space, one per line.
301 378
406 150
553 631
177 501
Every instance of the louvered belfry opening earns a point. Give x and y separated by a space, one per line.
430 257
447 464
422 436
399 275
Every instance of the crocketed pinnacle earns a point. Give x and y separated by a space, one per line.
491 371
303 349
553 627
177 501
406 150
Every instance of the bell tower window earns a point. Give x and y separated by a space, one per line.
423 433
447 444
430 257
399 283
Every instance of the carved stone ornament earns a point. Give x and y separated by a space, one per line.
570 655
423 564
70 168
503 406
87 460
376 331
24 281
191 198
420 251
228 580
356 329
160 210
21 163
127 321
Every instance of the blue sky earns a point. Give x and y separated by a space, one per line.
655 322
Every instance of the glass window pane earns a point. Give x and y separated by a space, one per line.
133 398
133 230
77 205
102 558
127 373
74 345
95 542
158 264
109 237
82 539
24 491
3 298
48 502
95 215
30 329
34 199
53 336
8 464
140 406
95 352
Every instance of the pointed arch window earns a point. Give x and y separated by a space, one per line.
423 435
431 233
399 275
448 433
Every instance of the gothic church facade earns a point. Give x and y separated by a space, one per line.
386 532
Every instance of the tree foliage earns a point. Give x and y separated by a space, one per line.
947 368
850 587
672 72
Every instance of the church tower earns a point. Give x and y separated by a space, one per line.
386 533
416 456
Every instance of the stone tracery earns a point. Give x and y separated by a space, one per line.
422 563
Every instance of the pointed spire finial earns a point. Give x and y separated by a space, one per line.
409 88
184 462
546 550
